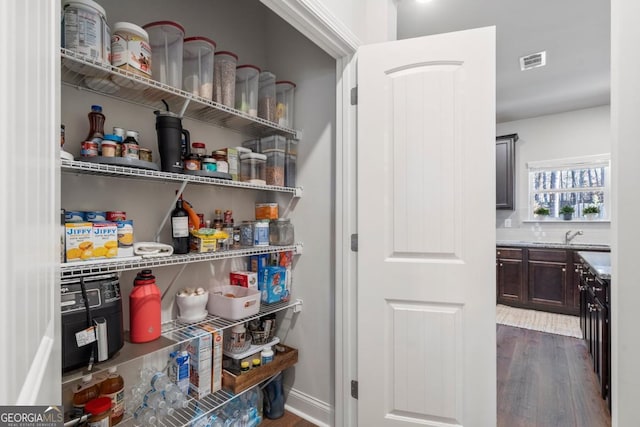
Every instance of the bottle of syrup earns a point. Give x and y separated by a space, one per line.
96 125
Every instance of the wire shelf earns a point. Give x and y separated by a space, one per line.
79 269
80 167
84 73
173 334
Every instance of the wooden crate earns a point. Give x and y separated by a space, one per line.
281 361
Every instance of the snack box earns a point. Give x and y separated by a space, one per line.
232 159
272 284
246 279
104 235
78 241
258 262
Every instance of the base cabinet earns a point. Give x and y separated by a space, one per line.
510 274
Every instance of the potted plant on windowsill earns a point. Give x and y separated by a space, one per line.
591 212
541 212
567 212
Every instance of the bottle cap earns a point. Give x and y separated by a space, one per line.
96 108
98 406
87 378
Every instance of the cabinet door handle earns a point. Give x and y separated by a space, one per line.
596 289
564 269
500 264
577 270
498 252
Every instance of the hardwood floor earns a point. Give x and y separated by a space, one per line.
288 420
546 380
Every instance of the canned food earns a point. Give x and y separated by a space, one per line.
130 151
145 154
89 149
74 216
93 216
116 216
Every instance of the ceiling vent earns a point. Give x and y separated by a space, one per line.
534 60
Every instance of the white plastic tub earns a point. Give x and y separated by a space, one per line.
244 302
85 30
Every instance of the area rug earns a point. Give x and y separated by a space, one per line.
560 324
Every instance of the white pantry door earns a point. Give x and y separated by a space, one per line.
426 227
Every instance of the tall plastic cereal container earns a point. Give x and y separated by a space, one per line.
252 168
284 103
224 78
267 96
247 89
290 160
197 66
166 39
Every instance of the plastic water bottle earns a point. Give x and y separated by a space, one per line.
274 398
160 382
154 400
164 412
144 416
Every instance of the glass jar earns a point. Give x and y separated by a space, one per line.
192 162
246 234
221 161
253 168
198 148
208 163
281 232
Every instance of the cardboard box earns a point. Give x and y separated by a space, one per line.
202 244
246 279
258 262
200 357
104 235
232 159
272 284
216 357
78 241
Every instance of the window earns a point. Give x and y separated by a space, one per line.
579 183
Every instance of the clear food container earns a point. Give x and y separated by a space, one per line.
246 234
284 103
247 89
290 160
197 66
166 39
273 142
267 96
281 232
253 145
224 78
252 168
274 174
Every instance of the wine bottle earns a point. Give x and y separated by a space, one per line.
180 228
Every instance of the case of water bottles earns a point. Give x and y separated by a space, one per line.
244 410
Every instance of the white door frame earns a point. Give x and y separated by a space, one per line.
312 19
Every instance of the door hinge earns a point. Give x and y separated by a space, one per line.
354 242
354 389
354 95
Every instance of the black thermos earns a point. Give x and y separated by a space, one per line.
169 130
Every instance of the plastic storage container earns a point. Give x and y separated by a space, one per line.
85 30
224 78
197 66
274 170
284 103
234 302
252 168
247 89
130 49
267 96
274 142
281 232
253 145
166 39
290 160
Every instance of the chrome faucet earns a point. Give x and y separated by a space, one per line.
568 236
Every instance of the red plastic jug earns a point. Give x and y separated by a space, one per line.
144 308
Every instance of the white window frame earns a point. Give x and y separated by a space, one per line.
584 162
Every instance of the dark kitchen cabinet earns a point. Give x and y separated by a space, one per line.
596 326
547 278
505 171
510 275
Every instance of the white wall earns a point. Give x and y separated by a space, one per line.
572 134
625 292
264 40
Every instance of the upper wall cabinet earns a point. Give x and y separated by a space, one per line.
505 171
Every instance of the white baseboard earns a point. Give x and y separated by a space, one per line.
311 409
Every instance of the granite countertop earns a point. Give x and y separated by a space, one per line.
553 245
600 263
